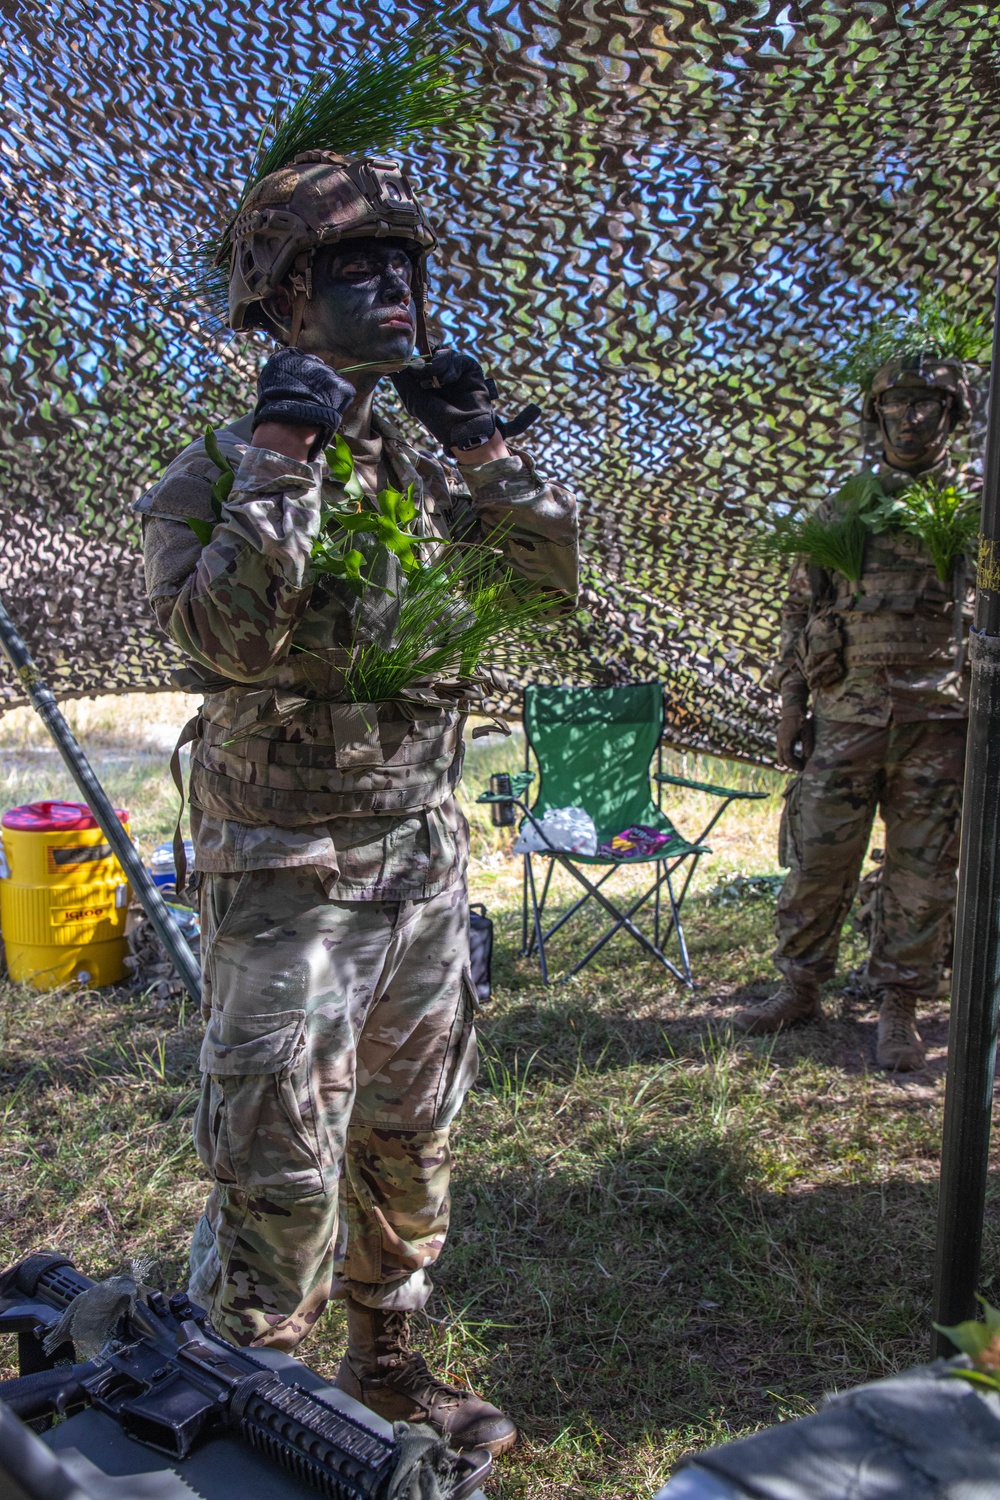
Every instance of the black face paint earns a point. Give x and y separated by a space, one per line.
915 427
362 306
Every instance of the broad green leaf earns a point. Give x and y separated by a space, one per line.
859 491
357 520
354 561
397 508
340 461
221 490
990 1314
970 1337
388 502
202 529
407 507
215 453
398 543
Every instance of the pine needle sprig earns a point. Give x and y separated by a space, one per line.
935 326
837 545
451 612
370 105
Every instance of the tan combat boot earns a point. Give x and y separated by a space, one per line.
382 1372
793 1001
899 1046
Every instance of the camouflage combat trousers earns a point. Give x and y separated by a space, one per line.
339 1046
912 773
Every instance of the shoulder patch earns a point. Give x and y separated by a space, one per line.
185 486
175 497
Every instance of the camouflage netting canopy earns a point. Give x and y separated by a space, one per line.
671 214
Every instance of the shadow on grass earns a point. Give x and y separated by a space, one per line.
665 1289
564 1031
84 1038
646 1238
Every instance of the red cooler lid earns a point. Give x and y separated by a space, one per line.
54 817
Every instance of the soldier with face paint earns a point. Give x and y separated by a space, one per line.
874 698
330 850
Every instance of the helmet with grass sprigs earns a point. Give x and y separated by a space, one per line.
921 371
320 198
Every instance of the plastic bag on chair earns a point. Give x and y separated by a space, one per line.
567 828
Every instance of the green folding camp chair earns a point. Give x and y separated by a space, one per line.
594 748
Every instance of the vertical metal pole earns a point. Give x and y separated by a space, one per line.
972 1034
96 798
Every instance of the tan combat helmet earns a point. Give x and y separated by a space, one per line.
921 371
319 198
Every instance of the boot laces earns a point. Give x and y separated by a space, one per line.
412 1373
899 1027
395 1331
408 1370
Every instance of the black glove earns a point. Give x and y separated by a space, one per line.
453 399
795 740
296 387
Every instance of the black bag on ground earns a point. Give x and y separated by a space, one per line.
481 951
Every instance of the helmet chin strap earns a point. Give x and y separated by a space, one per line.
300 282
420 289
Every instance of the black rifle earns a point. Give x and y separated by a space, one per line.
171 1383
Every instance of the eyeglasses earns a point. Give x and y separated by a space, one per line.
922 407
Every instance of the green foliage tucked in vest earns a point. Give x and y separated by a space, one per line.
838 545
943 518
452 608
451 612
333 551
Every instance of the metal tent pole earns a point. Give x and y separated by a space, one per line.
97 800
972 1034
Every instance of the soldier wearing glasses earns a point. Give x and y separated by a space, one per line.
874 697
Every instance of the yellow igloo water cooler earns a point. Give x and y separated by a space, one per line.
63 897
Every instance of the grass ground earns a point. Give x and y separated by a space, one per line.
661 1237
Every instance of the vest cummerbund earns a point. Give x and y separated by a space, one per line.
276 758
900 614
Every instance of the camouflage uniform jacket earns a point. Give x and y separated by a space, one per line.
283 774
891 650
